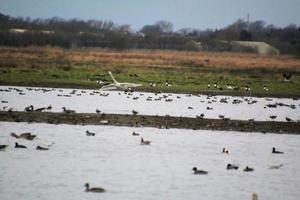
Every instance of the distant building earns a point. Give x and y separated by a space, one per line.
17 30
262 48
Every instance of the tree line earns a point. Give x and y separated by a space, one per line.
20 31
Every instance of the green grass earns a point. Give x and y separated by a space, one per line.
183 79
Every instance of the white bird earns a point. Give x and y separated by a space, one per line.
119 86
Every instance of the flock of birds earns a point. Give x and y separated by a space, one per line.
231 166
210 100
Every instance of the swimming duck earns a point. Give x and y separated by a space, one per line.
3 147
135 112
20 146
275 166
275 151
40 109
135 134
67 110
248 169
198 171
273 116
95 189
145 142
88 133
29 108
231 166
225 151
42 148
26 136
288 119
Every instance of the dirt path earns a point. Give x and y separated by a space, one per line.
151 121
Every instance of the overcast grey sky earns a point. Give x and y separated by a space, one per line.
200 14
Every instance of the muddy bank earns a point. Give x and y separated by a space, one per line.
151 121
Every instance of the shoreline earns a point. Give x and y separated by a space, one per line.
201 92
152 121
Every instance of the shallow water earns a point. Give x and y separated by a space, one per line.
121 103
115 160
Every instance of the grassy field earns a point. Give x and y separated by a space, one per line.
187 71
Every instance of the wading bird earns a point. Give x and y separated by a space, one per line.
119 86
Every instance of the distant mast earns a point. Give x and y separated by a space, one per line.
248 16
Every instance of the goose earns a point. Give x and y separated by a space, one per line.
95 189
248 169
88 133
231 166
42 148
3 147
67 110
198 171
20 146
145 142
275 151
119 86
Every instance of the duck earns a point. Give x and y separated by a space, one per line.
49 107
275 151
42 148
20 146
94 189
275 166
145 142
198 171
135 134
29 108
273 116
67 110
98 111
231 166
288 119
26 136
3 147
40 109
248 169
225 151
135 112
88 133
287 76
